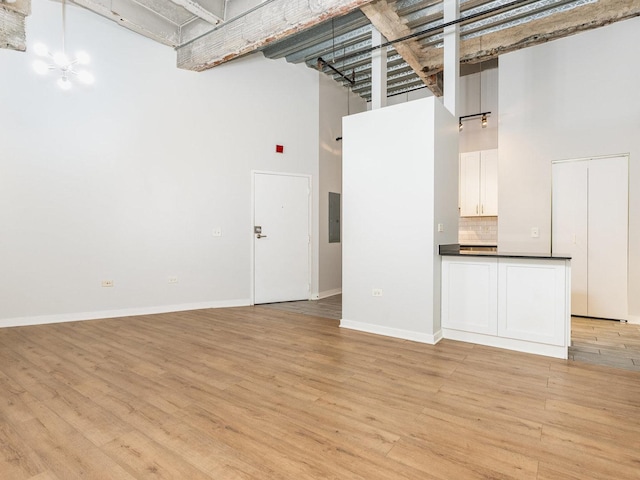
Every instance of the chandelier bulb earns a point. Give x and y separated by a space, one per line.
64 83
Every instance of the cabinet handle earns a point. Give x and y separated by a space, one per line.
476 209
482 209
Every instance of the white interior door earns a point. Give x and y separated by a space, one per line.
608 237
282 246
569 226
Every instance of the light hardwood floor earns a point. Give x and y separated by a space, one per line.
257 393
596 341
605 342
329 307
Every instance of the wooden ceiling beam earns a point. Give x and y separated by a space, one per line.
259 27
384 17
585 17
136 18
213 14
12 24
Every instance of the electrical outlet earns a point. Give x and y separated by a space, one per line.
535 232
441 227
217 232
376 292
107 283
173 279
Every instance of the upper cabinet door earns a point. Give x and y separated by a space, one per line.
479 184
470 184
489 183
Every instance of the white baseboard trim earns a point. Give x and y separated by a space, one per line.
391 332
329 293
507 343
438 336
127 312
633 319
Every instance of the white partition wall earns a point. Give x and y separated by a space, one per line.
400 174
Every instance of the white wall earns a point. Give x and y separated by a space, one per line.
126 180
407 97
335 102
392 205
570 98
479 93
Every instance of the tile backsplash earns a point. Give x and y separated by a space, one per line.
478 230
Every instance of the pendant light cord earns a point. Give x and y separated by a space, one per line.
64 11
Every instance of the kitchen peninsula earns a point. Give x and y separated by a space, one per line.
514 301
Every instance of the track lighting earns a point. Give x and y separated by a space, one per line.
483 119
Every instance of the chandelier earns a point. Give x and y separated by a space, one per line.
60 62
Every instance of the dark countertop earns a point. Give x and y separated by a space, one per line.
478 245
454 250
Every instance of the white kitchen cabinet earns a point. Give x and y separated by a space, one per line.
470 299
532 304
479 183
519 303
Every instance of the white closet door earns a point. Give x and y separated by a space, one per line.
608 237
569 226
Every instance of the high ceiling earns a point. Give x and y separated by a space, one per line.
206 33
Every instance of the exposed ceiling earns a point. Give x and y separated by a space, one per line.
206 33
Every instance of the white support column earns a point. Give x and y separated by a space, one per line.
451 56
378 71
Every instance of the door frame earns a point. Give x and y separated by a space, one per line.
252 256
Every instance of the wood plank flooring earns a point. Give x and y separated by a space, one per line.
605 342
596 341
258 393
329 307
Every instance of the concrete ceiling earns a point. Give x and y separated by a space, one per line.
206 33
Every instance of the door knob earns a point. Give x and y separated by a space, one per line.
260 236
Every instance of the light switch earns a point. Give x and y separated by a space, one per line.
441 227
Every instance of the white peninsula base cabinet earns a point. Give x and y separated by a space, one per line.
515 302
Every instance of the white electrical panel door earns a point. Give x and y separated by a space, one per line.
608 213
569 226
489 183
470 184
